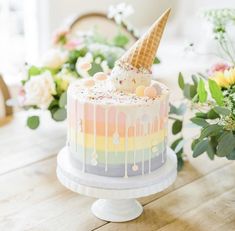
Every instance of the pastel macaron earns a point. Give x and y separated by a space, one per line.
101 76
139 91
150 92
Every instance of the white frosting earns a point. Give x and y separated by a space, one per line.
128 80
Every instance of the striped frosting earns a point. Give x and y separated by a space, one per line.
116 139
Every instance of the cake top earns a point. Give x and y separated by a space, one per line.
103 93
134 67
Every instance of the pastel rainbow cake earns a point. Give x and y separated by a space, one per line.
117 124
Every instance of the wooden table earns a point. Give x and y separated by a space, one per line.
31 198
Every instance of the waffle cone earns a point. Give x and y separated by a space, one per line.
143 52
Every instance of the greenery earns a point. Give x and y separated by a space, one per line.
213 109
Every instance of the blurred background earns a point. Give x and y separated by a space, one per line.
27 26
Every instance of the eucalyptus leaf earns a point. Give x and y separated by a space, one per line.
59 114
178 110
201 90
181 81
175 143
180 163
222 111
226 144
200 147
210 130
177 127
189 91
212 114
33 122
201 115
216 92
63 100
231 155
211 150
199 121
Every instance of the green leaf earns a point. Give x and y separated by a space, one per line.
59 114
231 155
194 143
178 111
120 40
195 80
212 114
180 163
199 121
177 127
201 90
63 100
156 60
33 122
33 70
201 115
175 143
200 148
211 150
226 144
216 92
181 81
54 103
210 130
95 67
222 111
189 91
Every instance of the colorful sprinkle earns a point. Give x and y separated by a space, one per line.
150 92
139 91
100 76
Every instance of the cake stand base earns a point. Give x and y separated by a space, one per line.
117 210
117 194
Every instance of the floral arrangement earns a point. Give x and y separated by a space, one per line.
210 98
72 56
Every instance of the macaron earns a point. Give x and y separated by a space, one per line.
139 91
100 76
150 92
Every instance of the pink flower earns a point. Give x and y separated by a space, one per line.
219 67
72 44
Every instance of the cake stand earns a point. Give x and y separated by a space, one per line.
116 195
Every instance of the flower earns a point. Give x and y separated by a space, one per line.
120 12
74 44
219 67
39 90
54 58
224 78
88 58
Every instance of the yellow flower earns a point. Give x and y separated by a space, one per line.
224 79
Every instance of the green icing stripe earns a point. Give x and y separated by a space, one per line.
119 157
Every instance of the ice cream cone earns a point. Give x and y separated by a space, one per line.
143 52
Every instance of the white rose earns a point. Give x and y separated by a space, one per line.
54 58
39 90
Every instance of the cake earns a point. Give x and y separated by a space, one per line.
117 124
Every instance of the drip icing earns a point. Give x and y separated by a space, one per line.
106 140
94 154
84 144
126 151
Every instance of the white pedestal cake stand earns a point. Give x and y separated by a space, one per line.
117 195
